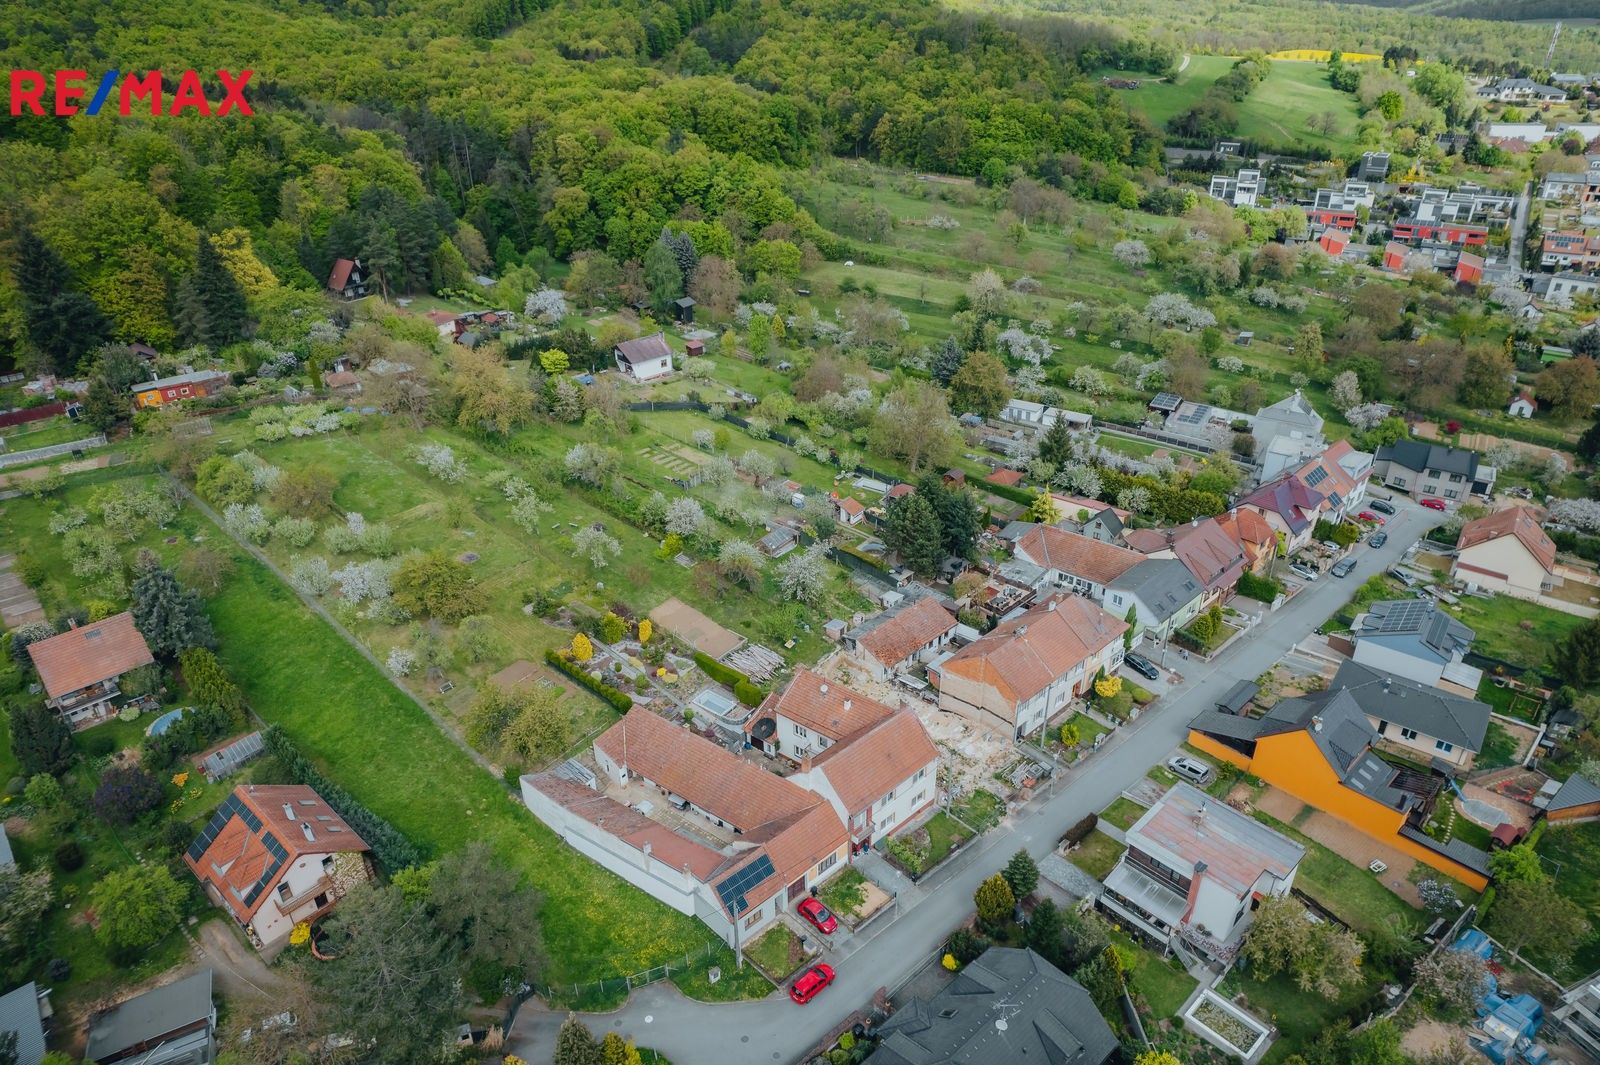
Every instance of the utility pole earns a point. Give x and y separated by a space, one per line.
1550 56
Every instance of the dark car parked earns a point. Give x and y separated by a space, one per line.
1378 539
1142 666
1382 506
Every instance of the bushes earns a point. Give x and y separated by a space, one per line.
744 689
1080 830
392 849
620 700
1011 492
1262 589
69 857
125 793
210 684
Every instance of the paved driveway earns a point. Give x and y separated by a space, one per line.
776 1030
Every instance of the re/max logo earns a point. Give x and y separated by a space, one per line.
69 86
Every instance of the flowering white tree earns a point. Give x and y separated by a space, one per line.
1345 390
401 661
440 460
943 221
758 466
596 546
1152 375
805 575
1230 364
1172 308
590 463
1080 480
1029 347
740 560
1579 513
1264 296
64 521
310 576
361 581
548 305
296 532
704 439
685 517
1136 499
248 521
1088 380
717 472
1026 285
525 513
1367 415
1502 455
1131 253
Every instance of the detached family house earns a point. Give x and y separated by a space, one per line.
1507 551
273 856
1418 721
1023 672
1432 469
1290 508
80 668
1255 538
1195 869
348 280
1322 749
1163 594
895 642
644 359
1417 640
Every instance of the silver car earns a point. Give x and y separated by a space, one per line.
1190 769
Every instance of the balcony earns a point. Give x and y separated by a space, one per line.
287 906
83 697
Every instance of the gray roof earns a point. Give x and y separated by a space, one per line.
645 349
147 1016
7 860
19 1012
1464 853
1418 627
1574 791
1165 585
1237 696
1068 877
1418 456
1049 1018
1016 530
1408 704
179 379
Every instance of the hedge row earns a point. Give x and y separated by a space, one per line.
1024 496
620 700
1080 831
744 689
1263 589
393 850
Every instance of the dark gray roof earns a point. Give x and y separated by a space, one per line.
1403 702
1574 791
1165 585
1237 696
19 1012
1464 853
1016 530
1049 1019
1418 456
645 349
154 1013
1416 626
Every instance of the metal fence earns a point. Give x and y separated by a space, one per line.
600 988
17 458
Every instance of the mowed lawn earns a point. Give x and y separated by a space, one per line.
1161 100
366 735
1514 630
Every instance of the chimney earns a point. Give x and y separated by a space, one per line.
847 704
824 688
1052 605
1200 819
1316 722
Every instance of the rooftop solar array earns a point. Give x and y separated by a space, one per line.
230 807
1403 615
279 856
1316 477
1166 401
1194 414
732 890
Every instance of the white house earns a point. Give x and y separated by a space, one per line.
644 359
1241 190
1507 551
1023 672
1522 406
1077 563
1164 595
894 642
1194 869
1038 416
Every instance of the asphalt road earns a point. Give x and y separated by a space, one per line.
776 1030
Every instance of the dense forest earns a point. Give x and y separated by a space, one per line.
440 138
1232 27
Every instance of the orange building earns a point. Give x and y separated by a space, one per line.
179 388
1320 749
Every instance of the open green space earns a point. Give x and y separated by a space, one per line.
944 836
1499 748
979 809
1300 1016
1097 855
1571 854
1504 699
1160 99
1350 893
777 951
1122 813
845 893
369 737
1161 982
1514 630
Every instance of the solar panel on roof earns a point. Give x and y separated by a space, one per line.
1316 476
732 890
1403 615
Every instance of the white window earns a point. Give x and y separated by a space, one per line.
754 918
1408 733
283 890
800 730
1441 745
828 863
921 773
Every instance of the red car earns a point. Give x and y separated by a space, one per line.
1433 503
811 981
817 914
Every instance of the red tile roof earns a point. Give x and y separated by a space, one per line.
645 349
912 628
630 826
1091 560
1005 477
89 654
441 317
1021 657
1520 522
830 709
340 273
239 856
900 490
867 766
851 506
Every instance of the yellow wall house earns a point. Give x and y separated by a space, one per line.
1320 749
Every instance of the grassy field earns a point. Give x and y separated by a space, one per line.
1572 854
944 836
365 734
1300 1016
1277 112
1505 700
1098 855
1513 630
